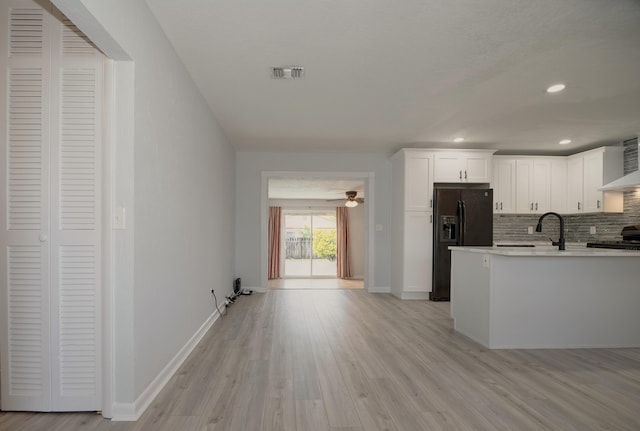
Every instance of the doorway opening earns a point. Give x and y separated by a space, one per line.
317 242
309 244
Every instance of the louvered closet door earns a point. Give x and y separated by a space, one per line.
24 255
49 192
75 220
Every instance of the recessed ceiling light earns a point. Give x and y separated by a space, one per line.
457 140
565 142
555 88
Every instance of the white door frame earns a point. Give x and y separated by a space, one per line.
369 180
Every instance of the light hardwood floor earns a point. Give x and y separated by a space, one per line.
339 360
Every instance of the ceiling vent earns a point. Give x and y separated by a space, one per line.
289 72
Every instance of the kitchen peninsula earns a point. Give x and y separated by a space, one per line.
541 297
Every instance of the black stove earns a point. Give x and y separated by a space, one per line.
630 240
620 245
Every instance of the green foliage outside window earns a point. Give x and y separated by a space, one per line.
324 244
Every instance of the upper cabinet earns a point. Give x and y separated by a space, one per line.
533 185
418 182
465 166
528 184
558 184
575 180
586 173
412 172
538 184
504 185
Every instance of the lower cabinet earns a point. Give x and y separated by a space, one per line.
412 260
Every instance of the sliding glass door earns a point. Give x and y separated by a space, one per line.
309 244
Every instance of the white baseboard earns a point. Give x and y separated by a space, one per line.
379 289
133 411
414 295
258 289
124 412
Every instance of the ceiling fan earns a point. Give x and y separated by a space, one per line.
352 200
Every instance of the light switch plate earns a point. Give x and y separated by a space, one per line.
530 230
592 230
486 260
119 220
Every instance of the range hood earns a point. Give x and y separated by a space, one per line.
631 181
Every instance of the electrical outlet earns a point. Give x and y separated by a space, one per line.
530 230
486 261
592 230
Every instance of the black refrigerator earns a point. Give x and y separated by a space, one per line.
463 215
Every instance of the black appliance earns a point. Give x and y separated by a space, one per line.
463 215
630 240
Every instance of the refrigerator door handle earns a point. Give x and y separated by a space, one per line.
463 228
461 223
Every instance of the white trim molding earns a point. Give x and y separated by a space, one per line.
414 296
379 289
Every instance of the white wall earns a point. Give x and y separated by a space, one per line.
249 168
181 213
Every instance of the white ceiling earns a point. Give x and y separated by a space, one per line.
382 75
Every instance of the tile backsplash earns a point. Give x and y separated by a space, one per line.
508 227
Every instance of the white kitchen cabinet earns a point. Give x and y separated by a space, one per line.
418 252
533 185
575 173
463 166
418 192
526 184
558 184
412 223
586 173
412 177
504 185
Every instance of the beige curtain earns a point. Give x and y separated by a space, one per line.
275 214
343 255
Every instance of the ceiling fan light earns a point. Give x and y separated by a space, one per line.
351 203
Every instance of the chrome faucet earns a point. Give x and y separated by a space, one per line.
560 242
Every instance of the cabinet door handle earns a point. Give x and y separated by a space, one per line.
531 206
460 174
430 203
500 205
598 203
536 206
430 218
496 205
465 175
578 205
